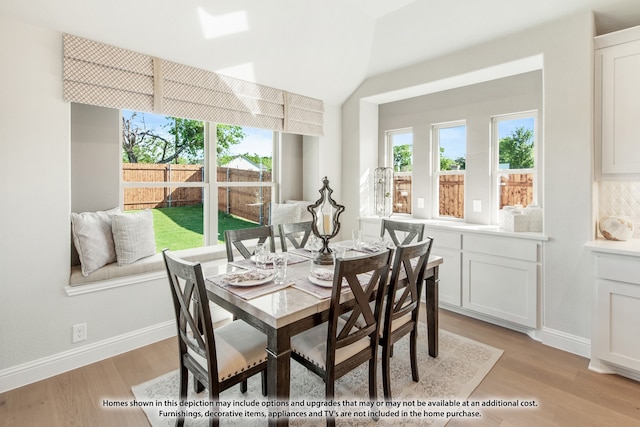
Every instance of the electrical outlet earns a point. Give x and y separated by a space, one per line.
79 332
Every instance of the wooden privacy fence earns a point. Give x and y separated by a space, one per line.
451 195
401 193
250 203
515 189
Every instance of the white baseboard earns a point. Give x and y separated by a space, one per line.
49 366
567 342
551 337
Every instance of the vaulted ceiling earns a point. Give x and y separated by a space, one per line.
319 48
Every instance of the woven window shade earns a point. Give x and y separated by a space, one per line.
195 93
303 115
99 74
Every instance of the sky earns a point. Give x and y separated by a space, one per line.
453 139
256 141
259 141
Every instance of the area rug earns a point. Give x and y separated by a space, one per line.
445 384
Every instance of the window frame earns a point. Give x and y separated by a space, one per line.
389 134
497 173
436 172
210 183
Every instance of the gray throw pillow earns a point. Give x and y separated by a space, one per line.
133 236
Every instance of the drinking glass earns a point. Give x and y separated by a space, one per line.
261 253
280 268
356 236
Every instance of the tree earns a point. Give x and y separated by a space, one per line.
402 158
516 150
447 164
177 141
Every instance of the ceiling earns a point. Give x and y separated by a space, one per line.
324 49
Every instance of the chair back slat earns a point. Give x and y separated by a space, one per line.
237 239
296 233
191 306
413 232
366 278
404 291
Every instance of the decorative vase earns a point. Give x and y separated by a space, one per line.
616 228
383 191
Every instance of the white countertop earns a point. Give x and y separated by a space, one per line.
465 227
628 247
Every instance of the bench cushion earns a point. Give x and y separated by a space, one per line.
150 264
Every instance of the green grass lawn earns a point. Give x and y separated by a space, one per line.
181 227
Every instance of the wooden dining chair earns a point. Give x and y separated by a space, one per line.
402 233
401 306
237 239
218 358
336 347
296 233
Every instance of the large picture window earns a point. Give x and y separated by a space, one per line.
515 159
450 151
195 193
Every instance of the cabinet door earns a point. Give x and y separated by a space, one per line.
500 287
449 272
620 107
618 320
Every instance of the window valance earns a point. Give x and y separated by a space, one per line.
103 75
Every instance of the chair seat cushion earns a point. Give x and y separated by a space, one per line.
239 346
312 345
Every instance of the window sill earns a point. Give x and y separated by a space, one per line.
144 270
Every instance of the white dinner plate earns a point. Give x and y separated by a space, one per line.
323 283
245 283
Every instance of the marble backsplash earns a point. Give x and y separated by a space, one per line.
620 199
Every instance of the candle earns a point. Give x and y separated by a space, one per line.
327 224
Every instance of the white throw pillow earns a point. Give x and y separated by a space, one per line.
93 239
283 214
303 214
133 236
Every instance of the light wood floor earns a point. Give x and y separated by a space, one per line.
567 394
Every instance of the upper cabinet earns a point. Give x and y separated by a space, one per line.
617 105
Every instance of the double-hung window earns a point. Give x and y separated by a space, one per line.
400 158
449 160
515 159
195 192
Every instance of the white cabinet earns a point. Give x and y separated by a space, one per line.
616 339
493 276
448 245
617 59
500 278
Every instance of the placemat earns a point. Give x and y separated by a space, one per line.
250 292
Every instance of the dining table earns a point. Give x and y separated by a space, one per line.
286 309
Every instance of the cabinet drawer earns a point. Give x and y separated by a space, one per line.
444 239
619 269
526 250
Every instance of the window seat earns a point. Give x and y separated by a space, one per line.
115 275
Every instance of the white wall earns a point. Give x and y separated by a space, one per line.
36 315
95 158
566 46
